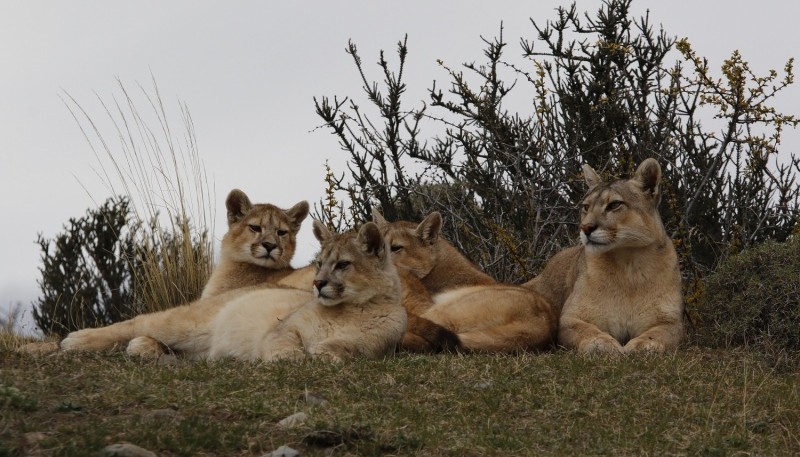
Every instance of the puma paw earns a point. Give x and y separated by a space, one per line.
294 354
603 344
647 344
144 346
81 340
327 356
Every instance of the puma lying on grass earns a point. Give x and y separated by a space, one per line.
620 289
254 265
485 315
356 312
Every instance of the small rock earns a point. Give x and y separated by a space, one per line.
314 399
126 450
483 385
294 420
283 451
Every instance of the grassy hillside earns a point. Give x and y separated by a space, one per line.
692 402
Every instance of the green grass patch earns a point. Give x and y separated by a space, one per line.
694 402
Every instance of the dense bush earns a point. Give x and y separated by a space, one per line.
106 267
753 299
606 89
86 271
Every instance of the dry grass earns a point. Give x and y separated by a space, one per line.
162 175
692 402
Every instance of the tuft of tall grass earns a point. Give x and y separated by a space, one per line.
8 324
159 169
11 337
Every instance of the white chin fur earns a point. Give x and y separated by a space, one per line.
329 302
324 300
594 246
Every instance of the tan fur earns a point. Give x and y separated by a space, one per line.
253 268
422 335
357 310
485 315
620 290
258 247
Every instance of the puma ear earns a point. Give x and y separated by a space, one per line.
372 240
428 230
648 176
377 218
297 214
237 205
591 177
321 232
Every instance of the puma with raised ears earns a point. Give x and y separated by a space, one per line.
619 290
484 315
258 247
356 312
254 266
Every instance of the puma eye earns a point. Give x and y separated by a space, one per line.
254 228
341 265
585 207
614 205
396 248
282 232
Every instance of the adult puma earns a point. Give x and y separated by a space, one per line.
357 309
254 264
485 315
620 289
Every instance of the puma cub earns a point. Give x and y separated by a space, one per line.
357 309
258 247
485 315
254 265
620 289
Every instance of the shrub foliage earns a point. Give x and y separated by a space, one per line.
107 266
86 271
607 89
753 298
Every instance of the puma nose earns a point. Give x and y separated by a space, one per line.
588 228
269 246
320 283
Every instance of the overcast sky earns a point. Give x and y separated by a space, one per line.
248 72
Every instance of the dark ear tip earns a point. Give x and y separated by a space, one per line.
371 236
321 232
370 228
650 166
299 211
237 205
